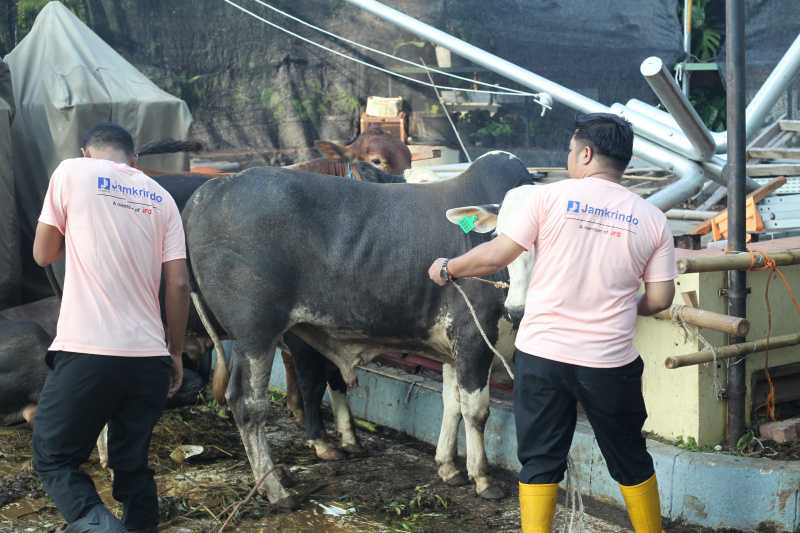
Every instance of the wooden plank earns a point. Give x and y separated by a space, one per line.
790 125
773 169
774 153
766 135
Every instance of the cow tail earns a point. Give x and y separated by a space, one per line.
219 382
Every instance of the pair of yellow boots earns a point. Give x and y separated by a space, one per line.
537 505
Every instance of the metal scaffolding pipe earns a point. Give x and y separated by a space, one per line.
772 89
692 177
774 86
478 56
662 83
656 131
652 113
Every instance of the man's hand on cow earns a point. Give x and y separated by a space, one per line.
435 272
177 375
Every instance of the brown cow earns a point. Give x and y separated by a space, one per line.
376 147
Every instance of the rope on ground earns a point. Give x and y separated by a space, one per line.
693 332
768 263
483 333
577 512
235 510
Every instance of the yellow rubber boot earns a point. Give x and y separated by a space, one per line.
537 505
644 508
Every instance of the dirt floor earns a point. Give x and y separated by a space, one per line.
392 487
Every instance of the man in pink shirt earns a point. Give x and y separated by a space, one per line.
595 243
111 362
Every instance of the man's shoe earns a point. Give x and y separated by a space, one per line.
152 529
97 520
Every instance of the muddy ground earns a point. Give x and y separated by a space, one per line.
392 487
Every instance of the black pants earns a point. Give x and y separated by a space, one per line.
83 393
545 409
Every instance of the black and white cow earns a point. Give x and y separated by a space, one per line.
342 266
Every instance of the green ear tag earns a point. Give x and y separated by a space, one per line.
468 223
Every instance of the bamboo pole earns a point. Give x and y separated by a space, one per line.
732 350
742 261
701 318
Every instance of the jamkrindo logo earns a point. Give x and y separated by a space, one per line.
111 186
574 206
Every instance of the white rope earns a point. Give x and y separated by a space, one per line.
447 114
577 512
390 56
483 334
544 100
693 332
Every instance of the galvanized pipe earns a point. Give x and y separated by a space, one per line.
774 86
656 131
687 44
692 176
652 113
737 172
662 83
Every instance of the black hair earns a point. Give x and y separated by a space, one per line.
111 135
608 135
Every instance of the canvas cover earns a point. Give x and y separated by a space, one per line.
66 80
10 264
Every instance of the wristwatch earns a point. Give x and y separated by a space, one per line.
443 273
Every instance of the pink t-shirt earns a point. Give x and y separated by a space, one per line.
119 226
595 242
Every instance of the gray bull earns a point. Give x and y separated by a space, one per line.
342 265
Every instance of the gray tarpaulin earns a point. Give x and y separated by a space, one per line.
10 264
66 80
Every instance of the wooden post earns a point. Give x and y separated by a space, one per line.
707 319
733 350
735 261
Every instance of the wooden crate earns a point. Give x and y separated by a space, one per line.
395 126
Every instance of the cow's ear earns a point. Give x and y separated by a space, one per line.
331 150
485 222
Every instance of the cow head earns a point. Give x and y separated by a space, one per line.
490 217
375 147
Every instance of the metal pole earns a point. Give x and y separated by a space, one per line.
736 171
687 44
778 81
691 174
662 83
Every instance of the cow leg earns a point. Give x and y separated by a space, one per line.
341 410
102 447
310 366
293 398
28 412
448 434
473 385
248 398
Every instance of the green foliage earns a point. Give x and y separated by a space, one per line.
28 9
710 105
706 36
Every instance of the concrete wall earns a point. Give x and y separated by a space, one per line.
683 402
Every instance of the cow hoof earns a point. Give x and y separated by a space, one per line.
354 449
284 476
456 481
288 504
492 492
